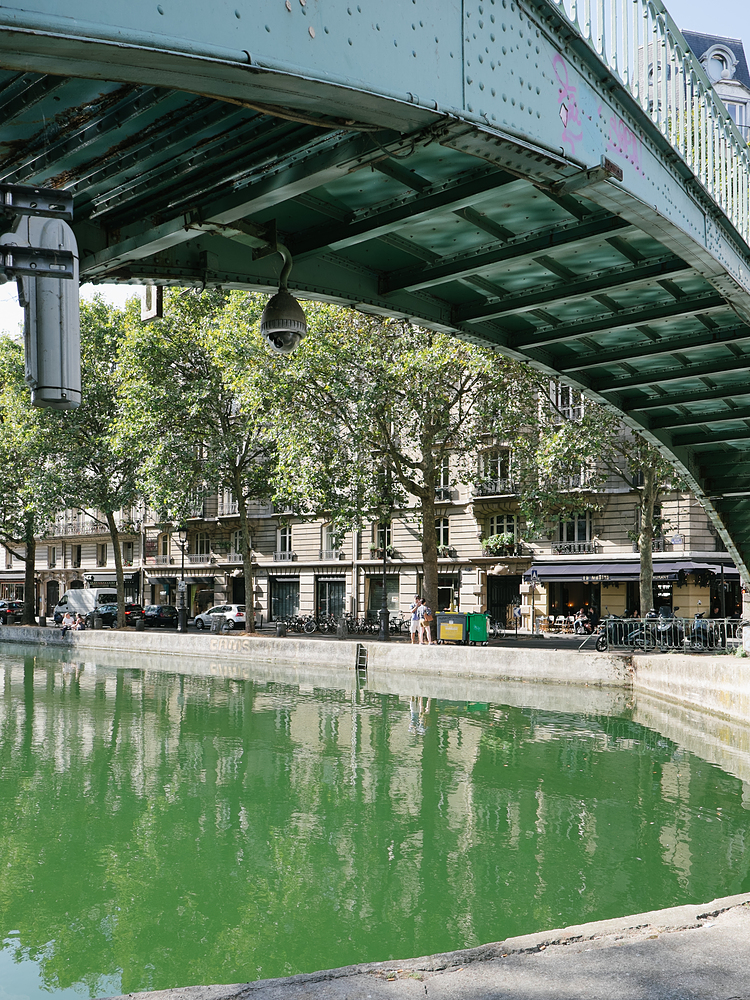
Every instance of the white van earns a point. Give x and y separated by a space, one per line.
81 602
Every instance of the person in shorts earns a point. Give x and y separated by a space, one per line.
425 623
414 623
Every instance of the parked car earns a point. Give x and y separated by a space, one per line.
9 608
162 615
108 614
234 616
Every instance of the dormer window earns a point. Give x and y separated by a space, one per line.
719 63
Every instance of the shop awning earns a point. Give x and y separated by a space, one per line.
616 572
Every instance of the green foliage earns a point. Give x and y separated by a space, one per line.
497 544
368 408
197 389
29 476
98 469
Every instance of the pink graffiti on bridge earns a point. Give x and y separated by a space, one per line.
570 115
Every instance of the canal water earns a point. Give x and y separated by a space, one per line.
160 830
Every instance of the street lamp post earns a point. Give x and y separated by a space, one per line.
182 534
385 632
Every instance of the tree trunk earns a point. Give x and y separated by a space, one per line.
29 589
247 559
646 537
115 536
429 549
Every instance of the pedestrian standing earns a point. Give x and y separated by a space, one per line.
414 623
426 618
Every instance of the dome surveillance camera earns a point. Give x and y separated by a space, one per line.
283 322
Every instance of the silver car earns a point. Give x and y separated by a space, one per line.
234 616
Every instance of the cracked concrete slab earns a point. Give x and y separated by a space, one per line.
699 952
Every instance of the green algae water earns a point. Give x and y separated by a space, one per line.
159 830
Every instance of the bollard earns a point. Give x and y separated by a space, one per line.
140 625
98 622
216 622
280 630
42 621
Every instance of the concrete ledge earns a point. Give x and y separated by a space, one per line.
495 663
700 951
546 666
716 684
168 643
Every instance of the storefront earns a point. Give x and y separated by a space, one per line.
284 595
330 595
12 590
132 583
375 593
684 585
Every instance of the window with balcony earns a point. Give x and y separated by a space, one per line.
442 532
75 556
284 550
502 524
574 535
164 545
8 559
443 487
495 472
51 556
382 535
330 548
127 553
101 554
568 402
202 544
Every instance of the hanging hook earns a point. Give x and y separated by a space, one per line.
287 268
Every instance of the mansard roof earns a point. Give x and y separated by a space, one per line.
700 43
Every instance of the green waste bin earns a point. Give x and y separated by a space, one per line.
451 627
477 628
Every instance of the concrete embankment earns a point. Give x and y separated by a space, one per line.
162 649
697 951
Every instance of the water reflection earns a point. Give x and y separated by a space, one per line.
160 830
419 715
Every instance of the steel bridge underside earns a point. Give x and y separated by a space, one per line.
394 207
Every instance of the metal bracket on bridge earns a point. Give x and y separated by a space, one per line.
22 199
261 237
607 170
35 262
18 258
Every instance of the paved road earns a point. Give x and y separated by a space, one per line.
699 952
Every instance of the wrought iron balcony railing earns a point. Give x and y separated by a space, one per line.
494 487
574 548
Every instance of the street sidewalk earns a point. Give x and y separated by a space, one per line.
696 952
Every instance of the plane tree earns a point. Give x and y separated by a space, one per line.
97 469
375 414
29 481
572 449
196 393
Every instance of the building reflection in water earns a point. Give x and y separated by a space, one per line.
160 830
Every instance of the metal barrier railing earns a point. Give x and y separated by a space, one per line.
684 634
642 46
